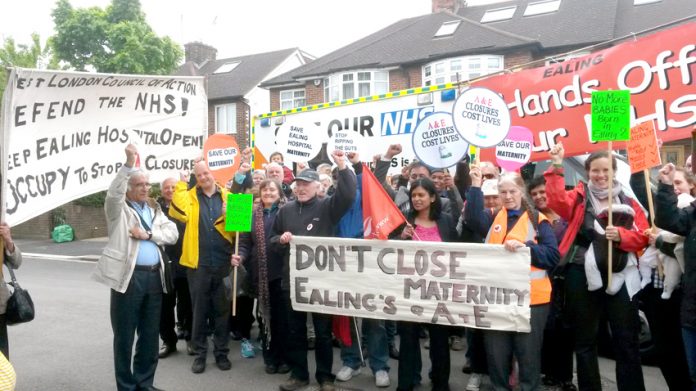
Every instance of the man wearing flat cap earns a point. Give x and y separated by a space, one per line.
308 215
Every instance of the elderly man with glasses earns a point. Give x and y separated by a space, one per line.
131 265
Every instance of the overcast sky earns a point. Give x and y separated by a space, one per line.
237 27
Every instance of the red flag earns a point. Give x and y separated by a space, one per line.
380 215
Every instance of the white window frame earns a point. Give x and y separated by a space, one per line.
498 14
355 84
467 67
447 28
226 67
226 118
642 2
567 57
297 98
542 7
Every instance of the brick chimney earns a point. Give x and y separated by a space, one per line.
448 5
199 52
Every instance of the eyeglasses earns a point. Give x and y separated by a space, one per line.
488 176
142 185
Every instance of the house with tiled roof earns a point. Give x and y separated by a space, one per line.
458 43
234 96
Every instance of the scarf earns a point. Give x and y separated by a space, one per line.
596 194
262 265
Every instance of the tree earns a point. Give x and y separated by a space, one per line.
24 56
113 40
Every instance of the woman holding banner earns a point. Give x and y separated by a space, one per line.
585 250
266 268
426 222
516 225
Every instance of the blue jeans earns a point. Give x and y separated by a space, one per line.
689 336
377 348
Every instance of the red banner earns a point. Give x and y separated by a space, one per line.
554 101
380 215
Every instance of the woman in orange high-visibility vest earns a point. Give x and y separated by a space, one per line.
512 226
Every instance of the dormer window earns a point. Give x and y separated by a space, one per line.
226 67
498 14
641 2
542 7
447 28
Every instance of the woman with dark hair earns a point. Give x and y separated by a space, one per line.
514 226
585 250
426 222
266 268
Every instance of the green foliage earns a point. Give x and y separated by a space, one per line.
113 40
24 56
96 200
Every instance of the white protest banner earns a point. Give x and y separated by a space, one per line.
299 141
437 143
516 150
68 130
458 284
481 116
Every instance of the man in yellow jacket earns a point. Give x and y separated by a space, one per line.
207 252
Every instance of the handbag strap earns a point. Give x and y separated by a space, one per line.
12 276
142 220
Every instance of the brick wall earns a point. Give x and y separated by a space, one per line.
398 80
519 57
314 94
87 222
275 99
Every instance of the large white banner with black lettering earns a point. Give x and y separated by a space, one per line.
458 284
67 132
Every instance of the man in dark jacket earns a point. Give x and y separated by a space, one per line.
310 216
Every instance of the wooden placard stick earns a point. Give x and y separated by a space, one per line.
610 217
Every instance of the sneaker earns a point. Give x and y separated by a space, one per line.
166 350
198 365
293 384
474 383
457 344
247 349
190 349
223 363
346 373
382 378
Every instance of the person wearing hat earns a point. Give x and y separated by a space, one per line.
309 215
491 199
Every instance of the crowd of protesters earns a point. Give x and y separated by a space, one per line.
566 229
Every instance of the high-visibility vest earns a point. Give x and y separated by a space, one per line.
523 231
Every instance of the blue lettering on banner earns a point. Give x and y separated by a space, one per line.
403 121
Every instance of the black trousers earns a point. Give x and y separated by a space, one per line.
274 349
4 345
138 309
181 300
476 351
296 353
208 297
585 310
665 328
411 363
241 323
557 350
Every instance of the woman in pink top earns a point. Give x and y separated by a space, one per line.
426 222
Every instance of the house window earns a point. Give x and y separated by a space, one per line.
542 7
447 28
226 118
460 69
351 85
291 99
226 67
641 2
498 14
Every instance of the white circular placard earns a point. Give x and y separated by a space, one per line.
481 117
437 143
299 141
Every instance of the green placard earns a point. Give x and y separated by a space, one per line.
238 213
611 120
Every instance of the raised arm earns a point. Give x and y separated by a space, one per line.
667 215
559 200
346 188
